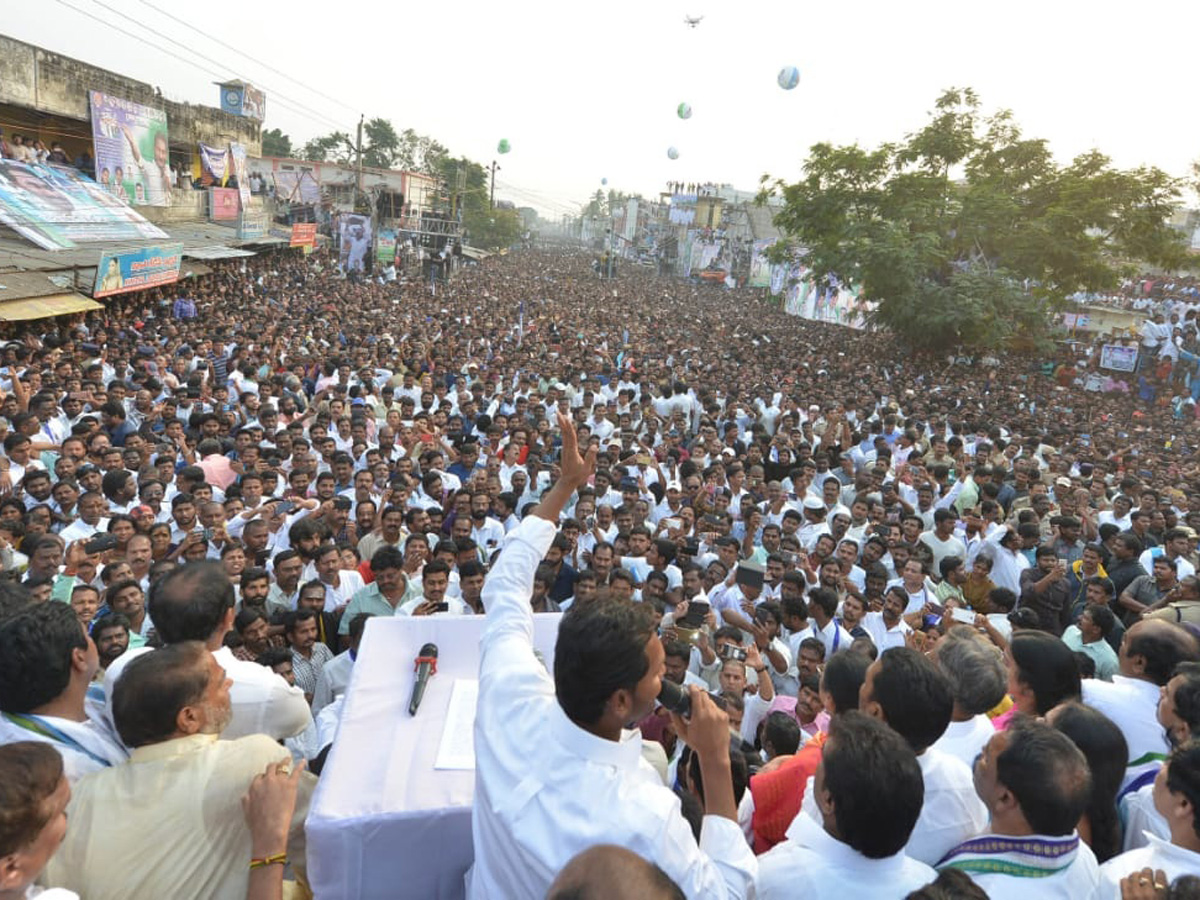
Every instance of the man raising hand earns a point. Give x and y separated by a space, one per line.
528 819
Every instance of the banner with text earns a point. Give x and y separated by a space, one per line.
304 234
56 206
136 270
131 149
237 153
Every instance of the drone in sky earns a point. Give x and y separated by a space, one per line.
692 21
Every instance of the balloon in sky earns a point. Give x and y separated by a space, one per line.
604 181
788 78
504 146
684 110
672 153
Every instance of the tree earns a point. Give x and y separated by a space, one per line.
419 153
969 234
276 143
492 229
380 144
336 147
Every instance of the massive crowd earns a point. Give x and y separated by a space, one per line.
936 620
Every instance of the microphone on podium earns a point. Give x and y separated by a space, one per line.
425 665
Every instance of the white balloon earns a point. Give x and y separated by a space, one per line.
672 153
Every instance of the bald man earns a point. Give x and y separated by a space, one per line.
612 873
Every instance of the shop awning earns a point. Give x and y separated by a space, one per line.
46 307
215 252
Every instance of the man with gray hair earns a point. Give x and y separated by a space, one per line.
978 681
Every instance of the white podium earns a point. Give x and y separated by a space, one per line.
384 822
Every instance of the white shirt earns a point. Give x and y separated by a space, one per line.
833 636
527 821
332 681
1077 881
1183 568
814 865
1142 819
1158 854
966 740
80 530
1132 704
488 536
85 747
885 638
349 583
952 811
263 703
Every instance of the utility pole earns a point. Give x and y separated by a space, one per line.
358 163
493 198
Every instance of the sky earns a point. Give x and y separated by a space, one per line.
585 92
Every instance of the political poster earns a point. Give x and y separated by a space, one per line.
385 246
214 162
354 241
1118 358
222 204
760 266
136 270
237 153
131 149
56 207
304 234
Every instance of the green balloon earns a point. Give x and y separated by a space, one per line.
503 146
684 111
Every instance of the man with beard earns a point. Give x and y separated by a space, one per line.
171 706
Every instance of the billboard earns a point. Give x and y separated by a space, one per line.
1118 358
136 270
131 150
297 186
385 247
214 162
222 204
252 224
237 155
243 100
760 266
354 241
304 234
55 207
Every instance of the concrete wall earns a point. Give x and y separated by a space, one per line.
50 83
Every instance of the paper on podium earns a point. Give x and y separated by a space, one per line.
457 748
387 821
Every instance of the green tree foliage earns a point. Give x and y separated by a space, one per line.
420 153
492 229
276 143
336 147
970 234
381 144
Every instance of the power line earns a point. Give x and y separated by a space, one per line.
242 53
192 63
214 62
